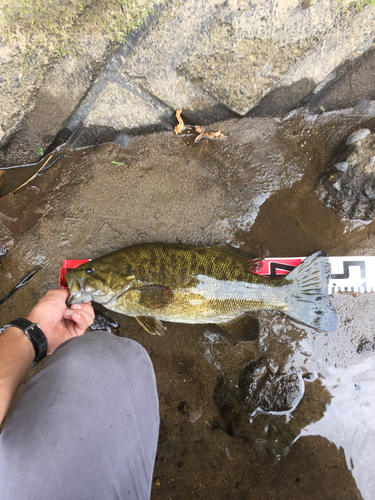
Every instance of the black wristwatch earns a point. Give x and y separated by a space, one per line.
36 336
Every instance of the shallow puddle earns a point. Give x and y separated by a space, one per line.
255 189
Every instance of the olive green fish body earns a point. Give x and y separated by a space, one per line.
205 284
159 282
208 301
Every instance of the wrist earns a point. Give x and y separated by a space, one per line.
20 342
35 319
16 356
34 334
39 320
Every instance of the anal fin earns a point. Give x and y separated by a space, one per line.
244 327
151 325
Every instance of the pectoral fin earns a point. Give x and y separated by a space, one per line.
244 327
155 296
151 325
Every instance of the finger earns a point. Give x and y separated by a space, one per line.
68 313
60 294
89 317
82 321
85 306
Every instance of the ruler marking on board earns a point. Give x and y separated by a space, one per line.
274 267
351 274
346 264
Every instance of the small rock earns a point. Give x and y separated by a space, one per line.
267 390
342 166
348 186
358 135
195 415
266 70
183 408
104 322
5 246
369 190
122 139
366 345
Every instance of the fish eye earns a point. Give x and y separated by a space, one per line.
89 270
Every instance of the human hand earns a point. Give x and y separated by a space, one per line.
59 322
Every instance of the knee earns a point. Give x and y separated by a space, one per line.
104 353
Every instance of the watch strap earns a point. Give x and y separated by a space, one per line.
35 334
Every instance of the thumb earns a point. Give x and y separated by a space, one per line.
77 322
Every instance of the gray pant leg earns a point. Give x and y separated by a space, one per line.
85 427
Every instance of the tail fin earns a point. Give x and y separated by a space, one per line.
308 301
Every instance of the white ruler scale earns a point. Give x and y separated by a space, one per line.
348 274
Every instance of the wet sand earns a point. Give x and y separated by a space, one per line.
254 189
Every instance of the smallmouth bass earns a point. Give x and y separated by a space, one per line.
157 282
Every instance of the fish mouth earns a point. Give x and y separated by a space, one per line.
77 293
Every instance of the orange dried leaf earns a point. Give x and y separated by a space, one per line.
208 135
178 128
6 263
214 135
1 175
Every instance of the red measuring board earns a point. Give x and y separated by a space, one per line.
348 273
66 265
278 266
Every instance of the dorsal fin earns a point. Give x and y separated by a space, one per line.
248 261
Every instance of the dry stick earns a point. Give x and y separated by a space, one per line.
24 280
91 150
33 177
43 169
300 223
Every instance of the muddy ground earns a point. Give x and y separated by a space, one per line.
254 188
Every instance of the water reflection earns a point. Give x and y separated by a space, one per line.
349 420
305 383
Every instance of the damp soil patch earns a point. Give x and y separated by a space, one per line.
254 189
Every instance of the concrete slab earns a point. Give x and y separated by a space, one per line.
352 83
116 101
43 118
235 53
225 59
214 60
